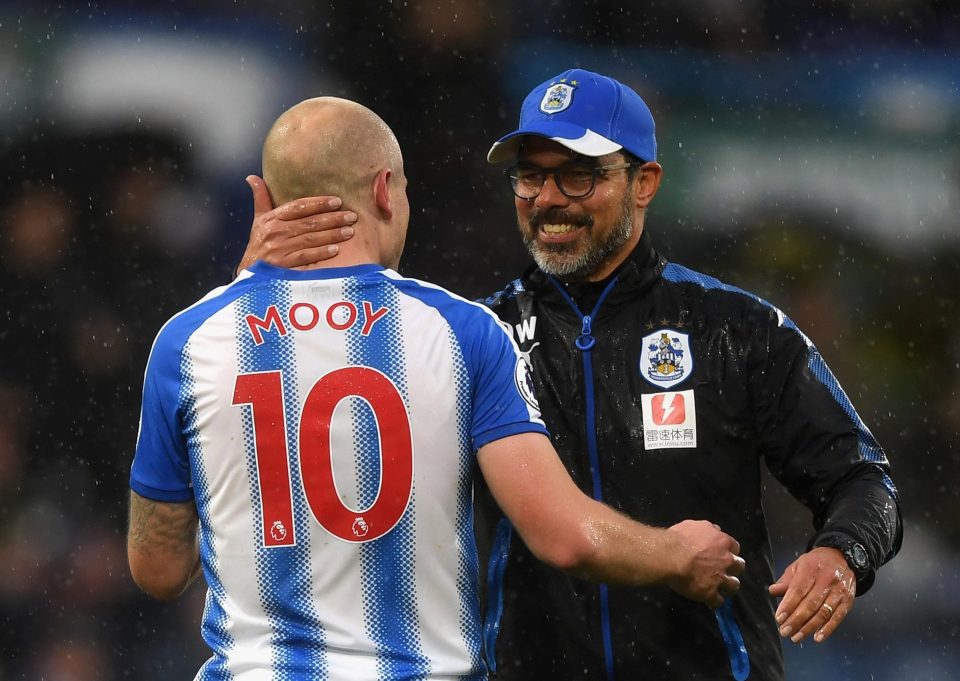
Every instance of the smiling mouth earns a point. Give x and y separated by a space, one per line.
564 228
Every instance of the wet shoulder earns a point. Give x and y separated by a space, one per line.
720 298
455 308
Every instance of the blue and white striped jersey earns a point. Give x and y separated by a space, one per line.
326 424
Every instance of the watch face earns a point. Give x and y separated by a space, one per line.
859 556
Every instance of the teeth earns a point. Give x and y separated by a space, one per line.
558 229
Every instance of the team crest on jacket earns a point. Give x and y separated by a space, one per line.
666 358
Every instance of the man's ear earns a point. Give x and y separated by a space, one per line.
648 183
381 193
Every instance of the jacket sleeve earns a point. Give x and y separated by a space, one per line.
816 444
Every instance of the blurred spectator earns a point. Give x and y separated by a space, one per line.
88 276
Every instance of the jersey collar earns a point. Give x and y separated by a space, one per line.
265 269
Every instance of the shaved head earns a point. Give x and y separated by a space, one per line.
328 146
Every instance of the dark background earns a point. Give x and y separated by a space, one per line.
811 155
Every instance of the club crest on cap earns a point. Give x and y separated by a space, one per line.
558 97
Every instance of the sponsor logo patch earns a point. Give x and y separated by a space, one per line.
666 358
669 420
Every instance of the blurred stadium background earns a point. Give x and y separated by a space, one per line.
811 154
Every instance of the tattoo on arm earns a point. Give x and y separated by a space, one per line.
162 527
162 546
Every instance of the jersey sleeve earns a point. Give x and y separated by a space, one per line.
161 469
504 402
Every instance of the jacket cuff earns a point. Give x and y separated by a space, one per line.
836 539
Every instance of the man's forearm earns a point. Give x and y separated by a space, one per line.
162 546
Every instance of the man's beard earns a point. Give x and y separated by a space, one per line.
561 259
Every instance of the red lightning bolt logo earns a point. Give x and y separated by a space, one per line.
669 409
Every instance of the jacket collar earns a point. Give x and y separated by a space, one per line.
641 268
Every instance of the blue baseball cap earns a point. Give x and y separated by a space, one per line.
586 112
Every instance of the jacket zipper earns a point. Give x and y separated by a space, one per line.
584 343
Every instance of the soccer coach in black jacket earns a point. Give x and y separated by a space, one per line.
663 389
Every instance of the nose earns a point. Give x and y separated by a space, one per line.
550 194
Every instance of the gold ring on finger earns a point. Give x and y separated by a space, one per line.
828 608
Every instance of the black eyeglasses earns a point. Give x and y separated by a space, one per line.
574 182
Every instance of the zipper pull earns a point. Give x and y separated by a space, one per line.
585 341
733 640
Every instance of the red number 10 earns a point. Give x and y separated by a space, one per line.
263 391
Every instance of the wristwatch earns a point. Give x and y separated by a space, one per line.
852 550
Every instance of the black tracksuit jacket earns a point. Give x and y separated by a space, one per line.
743 384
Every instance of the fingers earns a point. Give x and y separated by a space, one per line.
304 250
792 593
728 583
311 258
835 610
823 620
312 205
301 242
729 586
778 588
805 617
310 247
709 565
818 592
262 202
320 227
292 210
298 233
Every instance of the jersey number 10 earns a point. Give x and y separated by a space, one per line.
263 391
